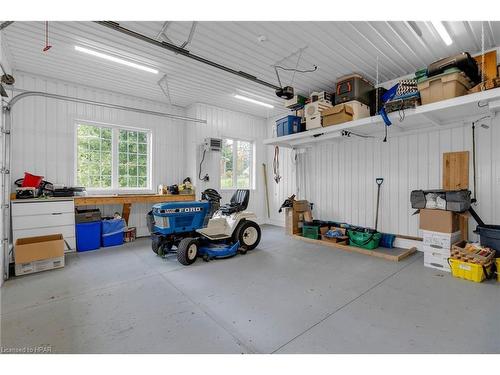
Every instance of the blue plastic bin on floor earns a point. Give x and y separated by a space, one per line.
88 236
112 232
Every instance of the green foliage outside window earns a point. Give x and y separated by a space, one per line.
95 157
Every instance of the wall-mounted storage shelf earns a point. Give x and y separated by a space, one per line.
434 115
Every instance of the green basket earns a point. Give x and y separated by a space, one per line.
364 240
310 231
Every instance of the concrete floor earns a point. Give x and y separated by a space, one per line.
287 296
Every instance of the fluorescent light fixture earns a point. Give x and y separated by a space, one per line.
115 59
438 25
253 101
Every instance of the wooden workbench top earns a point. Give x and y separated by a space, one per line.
91 200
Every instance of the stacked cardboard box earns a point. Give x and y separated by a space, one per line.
296 215
441 229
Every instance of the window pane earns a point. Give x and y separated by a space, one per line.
132 159
95 144
132 182
123 147
132 170
142 159
106 180
132 148
106 133
142 182
142 171
243 164
132 137
106 145
143 148
94 156
122 181
226 164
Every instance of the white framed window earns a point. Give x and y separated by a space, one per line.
236 164
110 157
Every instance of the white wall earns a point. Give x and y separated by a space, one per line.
225 123
43 134
287 186
340 176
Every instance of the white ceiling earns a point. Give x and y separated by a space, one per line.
337 48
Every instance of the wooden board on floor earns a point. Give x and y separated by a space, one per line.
456 170
394 254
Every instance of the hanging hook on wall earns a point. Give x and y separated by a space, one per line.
47 45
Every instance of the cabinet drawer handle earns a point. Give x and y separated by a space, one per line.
56 213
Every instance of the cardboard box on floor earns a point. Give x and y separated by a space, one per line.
301 211
35 254
291 221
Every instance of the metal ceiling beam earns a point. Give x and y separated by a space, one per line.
181 51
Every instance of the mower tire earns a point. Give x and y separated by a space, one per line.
187 251
248 234
156 244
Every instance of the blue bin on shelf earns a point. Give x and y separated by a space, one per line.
88 236
288 125
112 232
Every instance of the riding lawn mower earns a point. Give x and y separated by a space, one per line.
204 228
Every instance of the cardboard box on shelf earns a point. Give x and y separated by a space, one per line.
313 122
35 254
439 220
344 112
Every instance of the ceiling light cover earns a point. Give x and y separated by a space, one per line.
253 101
116 59
443 33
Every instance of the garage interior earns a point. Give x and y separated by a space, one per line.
249 187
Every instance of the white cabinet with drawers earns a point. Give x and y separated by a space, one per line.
33 217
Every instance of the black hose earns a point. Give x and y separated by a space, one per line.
201 163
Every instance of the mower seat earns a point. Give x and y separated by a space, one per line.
238 203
